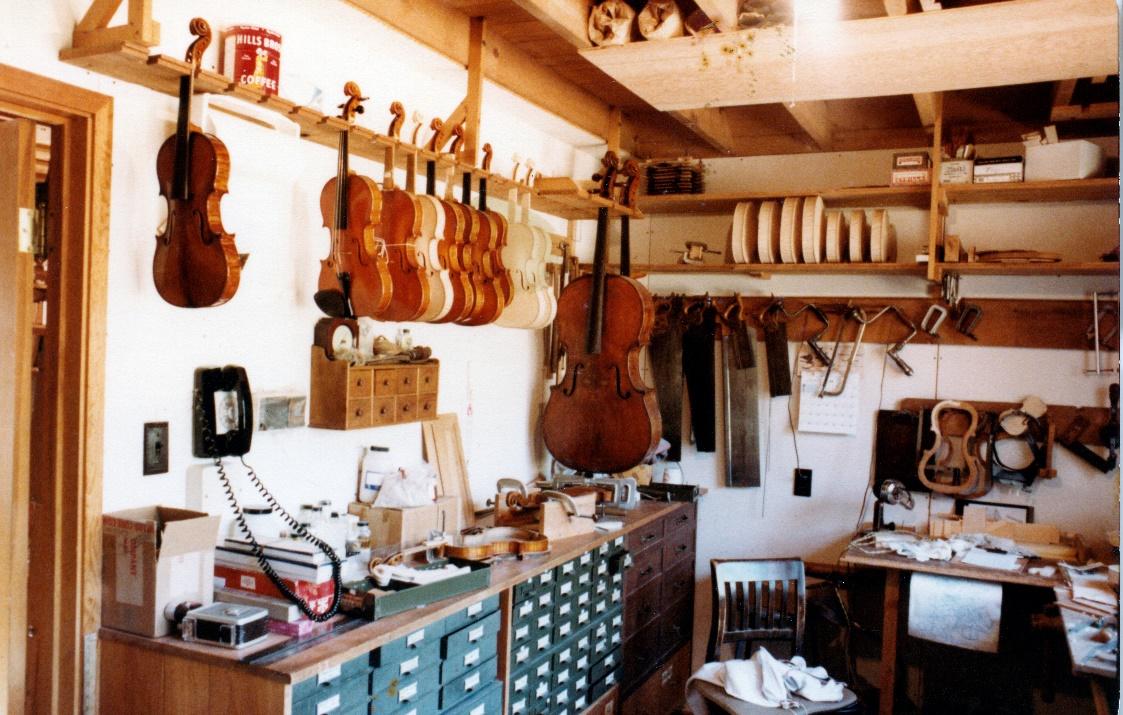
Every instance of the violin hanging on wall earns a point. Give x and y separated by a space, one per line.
602 416
196 264
354 279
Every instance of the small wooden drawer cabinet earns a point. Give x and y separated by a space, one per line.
346 397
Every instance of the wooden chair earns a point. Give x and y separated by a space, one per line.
758 600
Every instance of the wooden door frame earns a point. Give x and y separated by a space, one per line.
81 159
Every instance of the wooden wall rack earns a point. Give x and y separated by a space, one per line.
131 62
1012 323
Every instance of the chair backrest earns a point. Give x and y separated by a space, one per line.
756 599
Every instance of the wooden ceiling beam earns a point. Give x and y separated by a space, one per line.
925 101
710 125
997 44
447 31
568 18
814 120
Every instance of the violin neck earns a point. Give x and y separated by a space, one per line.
431 177
182 171
625 247
466 189
341 181
596 300
483 193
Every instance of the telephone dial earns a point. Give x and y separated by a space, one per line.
223 427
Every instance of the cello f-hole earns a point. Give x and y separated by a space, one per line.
620 391
568 390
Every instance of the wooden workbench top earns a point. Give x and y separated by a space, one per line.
342 647
857 557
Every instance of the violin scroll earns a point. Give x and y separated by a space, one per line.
398 111
201 29
353 104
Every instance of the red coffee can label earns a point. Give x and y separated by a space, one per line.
252 56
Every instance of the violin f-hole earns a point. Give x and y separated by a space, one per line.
576 371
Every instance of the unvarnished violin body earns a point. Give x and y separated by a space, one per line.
602 416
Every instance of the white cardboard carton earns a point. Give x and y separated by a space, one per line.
1078 159
151 557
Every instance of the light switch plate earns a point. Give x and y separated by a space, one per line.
155 448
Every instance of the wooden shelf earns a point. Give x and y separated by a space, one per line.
1098 268
765 269
857 197
132 63
1033 191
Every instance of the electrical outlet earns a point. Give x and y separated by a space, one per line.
802 483
155 448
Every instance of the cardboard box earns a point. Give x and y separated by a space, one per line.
999 169
409 526
911 177
957 171
911 160
151 557
1078 159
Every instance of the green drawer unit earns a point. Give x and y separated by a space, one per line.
588 559
559 700
583 642
616 595
457 642
564 628
521 682
329 680
582 617
521 655
408 645
565 588
473 613
569 568
584 599
582 661
603 667
560 677
585 579
428 655
424 705
543 622
406 690
341 696
563 657
487 702
564 609
456 665
601 604
601 586
534 585
580 700
471 682
544 600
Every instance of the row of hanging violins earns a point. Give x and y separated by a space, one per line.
395 255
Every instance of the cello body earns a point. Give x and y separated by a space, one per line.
602 416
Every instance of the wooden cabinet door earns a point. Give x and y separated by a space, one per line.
17 202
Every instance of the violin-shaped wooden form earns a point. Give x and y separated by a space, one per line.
354 278
952 457
602 416
196 263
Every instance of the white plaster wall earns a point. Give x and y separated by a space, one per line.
490 376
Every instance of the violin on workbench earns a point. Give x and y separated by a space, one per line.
196 264
354 278
602 416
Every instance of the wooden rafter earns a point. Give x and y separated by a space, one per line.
710 125
447 31
723 13
1014 42
925 101
813 119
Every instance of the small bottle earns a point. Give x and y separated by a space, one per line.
363 539
405 339
375 464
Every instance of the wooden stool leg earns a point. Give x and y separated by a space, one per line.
889 626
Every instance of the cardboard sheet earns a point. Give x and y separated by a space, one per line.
955 611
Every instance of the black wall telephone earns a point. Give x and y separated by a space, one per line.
223 427
222 393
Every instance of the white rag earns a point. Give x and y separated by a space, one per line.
763 680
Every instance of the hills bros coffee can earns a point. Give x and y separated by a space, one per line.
252 56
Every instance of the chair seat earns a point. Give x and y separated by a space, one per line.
701 692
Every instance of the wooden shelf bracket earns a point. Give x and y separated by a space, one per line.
93 29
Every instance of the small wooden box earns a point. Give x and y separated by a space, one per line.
402 528
346 397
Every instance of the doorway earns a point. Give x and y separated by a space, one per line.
51 437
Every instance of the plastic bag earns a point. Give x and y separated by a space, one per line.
409 486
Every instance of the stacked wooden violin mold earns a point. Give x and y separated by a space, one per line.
401 255
797 229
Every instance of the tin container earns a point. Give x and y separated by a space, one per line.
251 56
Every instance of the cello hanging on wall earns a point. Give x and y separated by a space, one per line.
601 416
196 264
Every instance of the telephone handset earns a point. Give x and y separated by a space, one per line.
223 416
